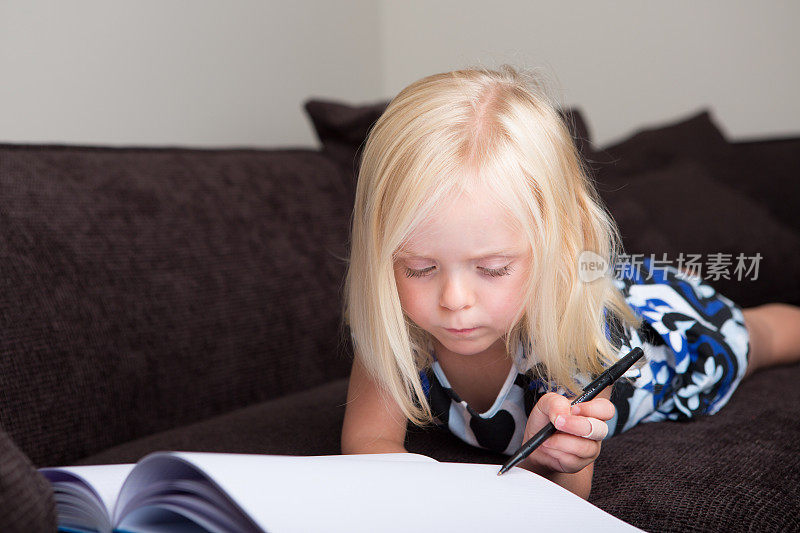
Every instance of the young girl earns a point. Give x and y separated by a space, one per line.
466 301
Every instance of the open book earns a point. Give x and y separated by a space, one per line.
193 491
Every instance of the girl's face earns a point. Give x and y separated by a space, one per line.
465 269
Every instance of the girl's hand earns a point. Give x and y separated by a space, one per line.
580 428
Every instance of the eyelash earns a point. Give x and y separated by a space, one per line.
505 271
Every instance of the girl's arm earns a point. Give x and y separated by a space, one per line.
373 423
567 457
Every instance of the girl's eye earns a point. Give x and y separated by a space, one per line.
411 273
492 272
505 271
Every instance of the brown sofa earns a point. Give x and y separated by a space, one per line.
188 299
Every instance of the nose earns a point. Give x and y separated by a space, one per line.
456 292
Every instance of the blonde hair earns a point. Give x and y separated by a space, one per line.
438 137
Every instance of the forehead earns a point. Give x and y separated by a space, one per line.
465 225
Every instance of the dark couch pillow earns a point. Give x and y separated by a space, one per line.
768 172
682 209
696 137
342 128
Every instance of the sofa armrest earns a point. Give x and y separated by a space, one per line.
26 498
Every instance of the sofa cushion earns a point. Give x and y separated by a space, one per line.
26 498
696 137
767 172
681 209
143 289
302 423
342 128
737 470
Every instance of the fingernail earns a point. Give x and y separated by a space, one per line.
559 422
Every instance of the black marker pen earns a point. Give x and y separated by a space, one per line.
590 391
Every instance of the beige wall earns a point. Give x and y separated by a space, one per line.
188 72
223 73
626 63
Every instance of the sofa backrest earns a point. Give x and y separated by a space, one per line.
147 288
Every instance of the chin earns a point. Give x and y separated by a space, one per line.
465 347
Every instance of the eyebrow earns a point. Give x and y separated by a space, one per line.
509 253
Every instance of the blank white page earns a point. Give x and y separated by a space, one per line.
284 494
378 457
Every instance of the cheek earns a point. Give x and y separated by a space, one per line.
408 295
411 299
508 302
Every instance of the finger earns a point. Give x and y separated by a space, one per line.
559 461
565 461
551 405
599 408
573 445
598 431
586 427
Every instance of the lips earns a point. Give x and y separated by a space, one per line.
466 330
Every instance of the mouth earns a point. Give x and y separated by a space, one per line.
461 331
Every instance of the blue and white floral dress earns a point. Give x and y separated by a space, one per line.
695 344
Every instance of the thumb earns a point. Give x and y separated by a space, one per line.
547 409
